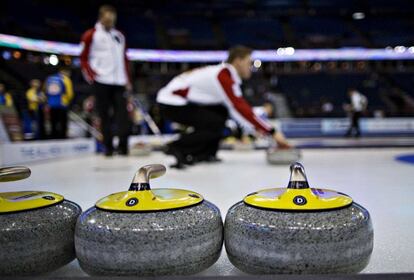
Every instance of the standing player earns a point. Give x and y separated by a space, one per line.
35 101
358 105
104 64
59 94
6 98
203 98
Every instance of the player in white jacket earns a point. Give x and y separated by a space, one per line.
356 109
105 65
203 98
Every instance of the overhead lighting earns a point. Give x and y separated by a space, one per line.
46 60
53 60
399 49
6 55
17 54
257 63
280 51
358 15
289 51
285 51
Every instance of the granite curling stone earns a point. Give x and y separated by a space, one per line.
298 230
140 150
149 232
37 228
277 156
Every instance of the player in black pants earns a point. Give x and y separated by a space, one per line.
58 122
104 65
111 104
203 142
59 93
358 105
203 98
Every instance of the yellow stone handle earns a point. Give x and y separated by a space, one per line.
14 173
144 174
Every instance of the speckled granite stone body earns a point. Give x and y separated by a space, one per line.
262 241
173 242
37 241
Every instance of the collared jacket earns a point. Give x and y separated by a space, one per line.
103 57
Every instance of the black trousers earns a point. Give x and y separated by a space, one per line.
208 123
111 105
355 124
59 123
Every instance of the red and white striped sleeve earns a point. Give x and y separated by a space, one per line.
238 106
88 73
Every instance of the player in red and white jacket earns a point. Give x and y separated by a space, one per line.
104 64
203 98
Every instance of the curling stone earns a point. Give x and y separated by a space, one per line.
148 232
244 144
37 228
140 150
277 156
233 143
298 230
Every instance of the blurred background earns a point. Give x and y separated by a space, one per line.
308 55
310 85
